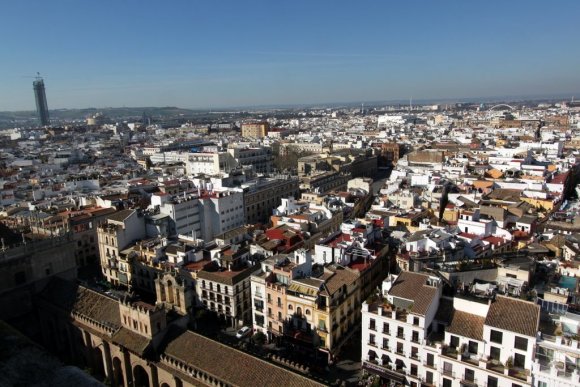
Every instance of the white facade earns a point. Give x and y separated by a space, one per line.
422 349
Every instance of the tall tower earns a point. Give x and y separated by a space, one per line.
41 104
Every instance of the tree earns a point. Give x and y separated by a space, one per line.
289 161
259 338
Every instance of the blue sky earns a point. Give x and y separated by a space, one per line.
198 54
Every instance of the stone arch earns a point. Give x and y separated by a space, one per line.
170 293
98 366
140 376
164 385
118 377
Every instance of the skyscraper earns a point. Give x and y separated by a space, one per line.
41 104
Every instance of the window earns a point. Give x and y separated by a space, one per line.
307 312
415 337
414 353
496 336
494 353
472 347
385 343
399 348
290 307
372 340
372 324
454 341
386 328
430 359
415 320
469 375
492 381
413 370
519 360
400 332
446 383
521 343
429 377
447 369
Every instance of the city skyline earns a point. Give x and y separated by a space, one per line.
196 55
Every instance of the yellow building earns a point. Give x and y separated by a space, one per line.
545 204
255 129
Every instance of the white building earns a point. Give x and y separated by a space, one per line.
415 336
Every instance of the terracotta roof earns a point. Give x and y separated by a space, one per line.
341 277
466 325
231 366
514 315
413 286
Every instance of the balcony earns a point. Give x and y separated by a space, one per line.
495 365
401 315
400 351
449 352
471 358
448 373
386 332
414 355
563 370
401 336
372 327
372 343
429 365
519 373
469 383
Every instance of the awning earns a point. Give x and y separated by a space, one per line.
385 358
372 353
383 372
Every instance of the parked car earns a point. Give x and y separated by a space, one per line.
243 332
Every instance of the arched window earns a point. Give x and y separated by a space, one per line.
299 311
307 312
290 307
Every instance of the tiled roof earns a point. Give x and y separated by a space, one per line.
466 325
514 315
231 366
134 342
413 286
341 277
73 298
120 216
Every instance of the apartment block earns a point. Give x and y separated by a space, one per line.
412 334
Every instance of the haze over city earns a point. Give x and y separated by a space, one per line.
300 193
218 54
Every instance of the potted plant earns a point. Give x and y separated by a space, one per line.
509 363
